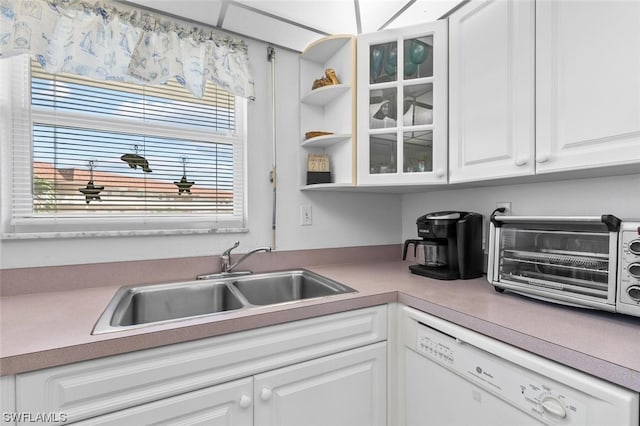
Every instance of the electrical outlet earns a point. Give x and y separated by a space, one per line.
305 215
506 205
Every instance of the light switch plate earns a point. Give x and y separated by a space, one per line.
306 219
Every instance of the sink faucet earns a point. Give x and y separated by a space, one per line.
225 259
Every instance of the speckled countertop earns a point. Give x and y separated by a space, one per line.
47 329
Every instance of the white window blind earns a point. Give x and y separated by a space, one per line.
111 152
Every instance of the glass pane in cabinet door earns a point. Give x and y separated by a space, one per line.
418 57
383 62
383 109
418 105
418 151
382 153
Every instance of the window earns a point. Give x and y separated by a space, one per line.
106 155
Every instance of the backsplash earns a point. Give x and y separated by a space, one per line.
70 277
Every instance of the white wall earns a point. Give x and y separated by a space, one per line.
617 195
339 219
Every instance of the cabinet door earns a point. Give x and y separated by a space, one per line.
8 399
402 106
491 95
587 84
229 404
347 389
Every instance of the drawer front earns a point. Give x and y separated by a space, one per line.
229 404
91 388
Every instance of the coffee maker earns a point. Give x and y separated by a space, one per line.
452 243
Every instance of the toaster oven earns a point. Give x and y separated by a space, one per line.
587 261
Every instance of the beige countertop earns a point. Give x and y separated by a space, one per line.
47 329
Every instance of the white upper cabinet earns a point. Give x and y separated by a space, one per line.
491 92
587 84
402 106
509 89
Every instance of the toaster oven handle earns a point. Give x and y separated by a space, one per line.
610 221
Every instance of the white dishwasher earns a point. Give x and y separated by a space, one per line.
453 376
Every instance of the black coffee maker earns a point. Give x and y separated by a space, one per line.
452 243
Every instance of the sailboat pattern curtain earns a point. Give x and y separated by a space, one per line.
110 41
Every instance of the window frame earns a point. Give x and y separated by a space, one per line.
18 222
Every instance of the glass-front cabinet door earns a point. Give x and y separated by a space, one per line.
402 106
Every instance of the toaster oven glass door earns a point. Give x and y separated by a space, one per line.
574 262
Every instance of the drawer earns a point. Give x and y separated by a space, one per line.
227 404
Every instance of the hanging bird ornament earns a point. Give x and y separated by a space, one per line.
183 184
91 191
135 160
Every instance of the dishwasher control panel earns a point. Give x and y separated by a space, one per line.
435 348
541 397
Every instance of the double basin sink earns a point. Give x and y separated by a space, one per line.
139 306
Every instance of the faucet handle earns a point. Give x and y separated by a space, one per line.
227 252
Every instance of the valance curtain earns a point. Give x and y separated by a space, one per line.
109 41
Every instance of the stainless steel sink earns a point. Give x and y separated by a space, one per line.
273 288
140 306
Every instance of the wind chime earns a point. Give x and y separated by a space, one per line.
135 160
91 191
183 184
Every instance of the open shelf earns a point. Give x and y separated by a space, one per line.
327 186
324 95
322 50
325 141
329 108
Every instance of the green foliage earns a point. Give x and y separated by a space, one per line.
44 195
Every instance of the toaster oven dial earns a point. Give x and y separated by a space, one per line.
634 246
634 269
634 292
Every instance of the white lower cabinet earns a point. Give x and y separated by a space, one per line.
328 370
347 389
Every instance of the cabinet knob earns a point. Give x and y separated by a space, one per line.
440 173
245 401
521 161
542 158
265 394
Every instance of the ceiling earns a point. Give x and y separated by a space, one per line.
296 23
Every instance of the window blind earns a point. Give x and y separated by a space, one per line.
106 148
